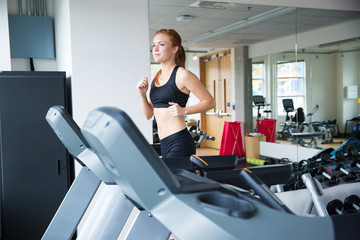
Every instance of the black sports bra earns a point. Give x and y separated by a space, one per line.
169 92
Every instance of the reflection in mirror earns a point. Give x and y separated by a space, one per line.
310 56
316 77
329 74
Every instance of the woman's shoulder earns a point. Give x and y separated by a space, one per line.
185 79
184 74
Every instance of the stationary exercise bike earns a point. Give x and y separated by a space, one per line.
259 102
296 123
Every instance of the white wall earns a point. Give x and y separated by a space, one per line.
193 66
110 53
321 85
348 74
63 36
5 63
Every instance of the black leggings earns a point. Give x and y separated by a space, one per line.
180 144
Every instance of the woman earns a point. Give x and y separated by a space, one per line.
168 95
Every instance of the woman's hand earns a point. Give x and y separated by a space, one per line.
142 86
175 110
145 102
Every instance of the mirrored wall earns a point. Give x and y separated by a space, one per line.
320 77
316 65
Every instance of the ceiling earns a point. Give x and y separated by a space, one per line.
207 21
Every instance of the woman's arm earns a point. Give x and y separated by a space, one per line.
189 82
145 101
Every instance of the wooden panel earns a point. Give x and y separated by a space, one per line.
213 78
216 130
226 78
215 74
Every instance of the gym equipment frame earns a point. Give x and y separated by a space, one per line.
190 206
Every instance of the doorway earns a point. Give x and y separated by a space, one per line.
215 74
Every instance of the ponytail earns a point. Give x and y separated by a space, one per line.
180 57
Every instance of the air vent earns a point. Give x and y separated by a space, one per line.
208 4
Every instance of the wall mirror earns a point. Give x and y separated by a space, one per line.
310 56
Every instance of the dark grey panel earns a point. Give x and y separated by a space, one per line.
36 170
31 36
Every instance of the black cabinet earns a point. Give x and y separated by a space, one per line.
36 171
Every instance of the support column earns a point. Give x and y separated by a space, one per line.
242 87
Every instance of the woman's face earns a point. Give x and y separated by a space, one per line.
162 50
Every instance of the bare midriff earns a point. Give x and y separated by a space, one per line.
167 124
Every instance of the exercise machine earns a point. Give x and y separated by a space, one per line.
294 130
199 136
311 113
326 127
259 102
289 126
65 223
300 138
173 198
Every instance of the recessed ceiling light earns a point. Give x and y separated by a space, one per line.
184 18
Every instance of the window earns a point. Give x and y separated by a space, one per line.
258 81
290 84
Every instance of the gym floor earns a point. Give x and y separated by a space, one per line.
204 151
